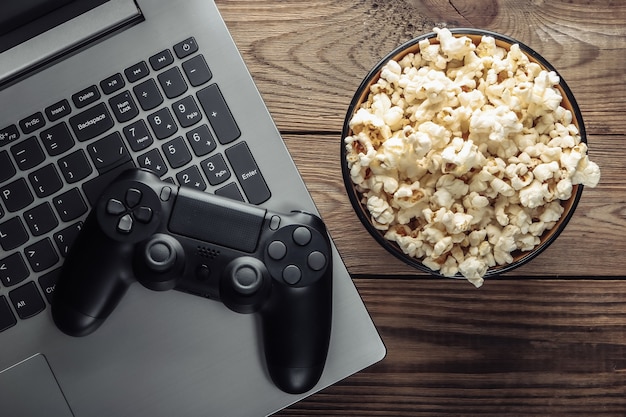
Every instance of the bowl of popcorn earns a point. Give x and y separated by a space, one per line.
464 153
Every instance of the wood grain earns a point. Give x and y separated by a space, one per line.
546 339
512 348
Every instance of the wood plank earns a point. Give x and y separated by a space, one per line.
593 241
308 58
511 348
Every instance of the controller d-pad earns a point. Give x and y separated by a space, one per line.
143 214
125 224
115 207
133 197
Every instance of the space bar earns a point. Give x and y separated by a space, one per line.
93 188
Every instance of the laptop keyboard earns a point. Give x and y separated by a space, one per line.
164 113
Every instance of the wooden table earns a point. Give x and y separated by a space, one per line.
546 339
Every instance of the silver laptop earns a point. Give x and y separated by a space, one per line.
89 88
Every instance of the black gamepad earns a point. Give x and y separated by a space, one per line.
253 260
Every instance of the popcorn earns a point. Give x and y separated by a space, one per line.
462 154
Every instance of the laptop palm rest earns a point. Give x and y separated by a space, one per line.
30 389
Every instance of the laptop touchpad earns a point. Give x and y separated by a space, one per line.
30 389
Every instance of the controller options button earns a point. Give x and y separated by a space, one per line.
292 274
302 236
115 207
274 222
133 197
316 261
125 224
143 214
277 250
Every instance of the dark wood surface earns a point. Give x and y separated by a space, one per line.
546 339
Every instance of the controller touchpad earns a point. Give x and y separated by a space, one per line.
223 224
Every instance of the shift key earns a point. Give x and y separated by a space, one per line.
248 173
92 122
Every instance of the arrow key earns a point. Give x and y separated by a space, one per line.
13 270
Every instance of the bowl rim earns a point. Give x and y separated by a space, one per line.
354 195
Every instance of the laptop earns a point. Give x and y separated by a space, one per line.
90 88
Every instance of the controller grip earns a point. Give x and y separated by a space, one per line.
96 275
296 326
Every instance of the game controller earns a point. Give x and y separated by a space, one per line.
251 259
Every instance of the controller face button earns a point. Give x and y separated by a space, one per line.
125 224
166 193
316 261
274 222
133 197
277 250
302 236
115 207
292 274
246 280
143 214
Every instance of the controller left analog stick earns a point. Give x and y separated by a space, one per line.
160 262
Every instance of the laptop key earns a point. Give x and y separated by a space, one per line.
64 238
7 319
45 181
31 123
197 70
219 115
148 94
58 110
112 84
13 270
231 191
108 152
41 219
57 139
86 97
172 82
153 161
162 123
248 173
75 166
16 195
48 282
191 177
12 234
187 112
137 135
27 301
28 153
7 170
186 48
124 107
92 122
201 140
215 169
176 152
161 60
41 255
9 134
70 205
137 71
